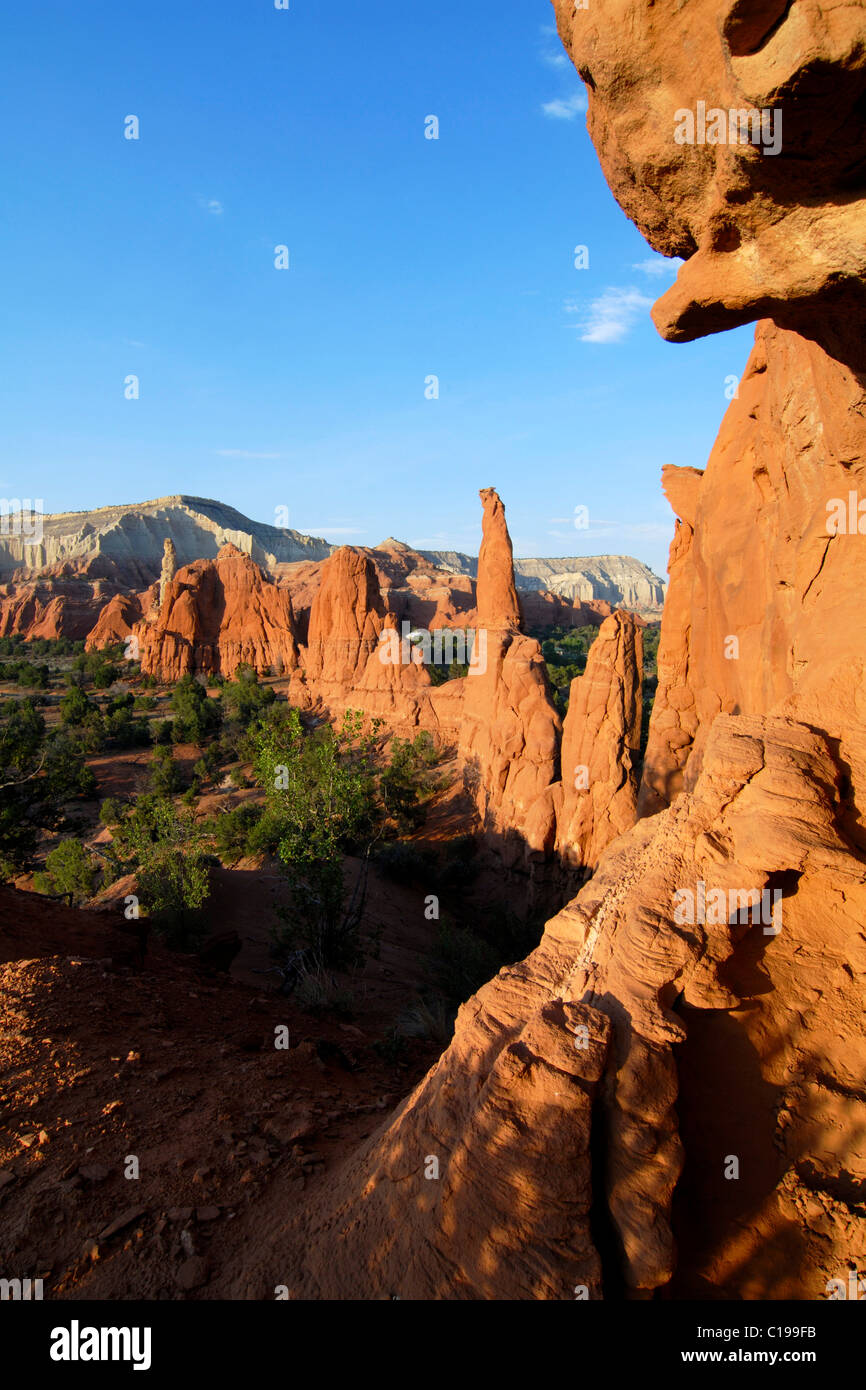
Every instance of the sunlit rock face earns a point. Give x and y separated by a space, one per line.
774 228
215 615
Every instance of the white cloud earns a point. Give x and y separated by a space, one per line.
244 454
215 207
659 265
610 317
566 108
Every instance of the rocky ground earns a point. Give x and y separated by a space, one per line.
100 1063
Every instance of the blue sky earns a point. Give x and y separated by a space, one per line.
305 388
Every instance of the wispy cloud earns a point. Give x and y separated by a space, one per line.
573 102
244 454
610 317
566 108
213 206
659 265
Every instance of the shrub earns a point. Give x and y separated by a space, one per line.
244 699
462 962
69 871
196 716
406 863
75 707
232 831
166 848
165 775
112 811
321 788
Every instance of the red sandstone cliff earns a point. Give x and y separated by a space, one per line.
215 615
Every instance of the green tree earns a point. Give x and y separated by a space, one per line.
166 777
196 716
75 706
244 698
69 871
402 784
167 850
39 774
321 795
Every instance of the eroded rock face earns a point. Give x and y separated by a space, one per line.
215 615
64 600
764 605
346 619
120 617
510 731
128 541
764 234
169 568
600 745
673 922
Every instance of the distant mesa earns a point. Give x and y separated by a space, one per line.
60 586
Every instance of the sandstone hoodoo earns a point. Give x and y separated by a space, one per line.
216 614
601 746
509 739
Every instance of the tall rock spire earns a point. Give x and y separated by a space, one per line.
496 595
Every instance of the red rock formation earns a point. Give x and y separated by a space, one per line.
217 614
756 245
413 589
120 616
763 613
597 799
509 738
673 725
346 618
64 600
704 1029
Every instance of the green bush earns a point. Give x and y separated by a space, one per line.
75 707
196 716
69 871
244 699
406 863
39 774
166 849
462 962
232 831
112 811
402 785
166 777
321 787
